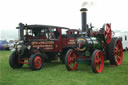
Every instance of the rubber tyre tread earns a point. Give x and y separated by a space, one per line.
66 60
31 61
111 47
92 61
13 61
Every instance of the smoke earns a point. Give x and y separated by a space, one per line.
84 4
87 4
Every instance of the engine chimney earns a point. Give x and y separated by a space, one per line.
21 31
84 19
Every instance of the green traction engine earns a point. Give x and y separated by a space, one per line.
94 47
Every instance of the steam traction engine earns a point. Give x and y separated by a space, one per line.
41 43
95 47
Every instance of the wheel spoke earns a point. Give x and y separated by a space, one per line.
106 37
116 51
76 65
98 62
119 52
118 44
71 60
72 65
107 29
97 67
119 57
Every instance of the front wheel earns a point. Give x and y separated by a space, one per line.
97 61
36 61
70 62
14 61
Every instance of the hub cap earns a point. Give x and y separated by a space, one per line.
37 62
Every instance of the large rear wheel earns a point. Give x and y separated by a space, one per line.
97 61
14 61
36 61
70 62
115 52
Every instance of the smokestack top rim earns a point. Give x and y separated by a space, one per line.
83 9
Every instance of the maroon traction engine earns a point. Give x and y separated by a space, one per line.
41 43
94 47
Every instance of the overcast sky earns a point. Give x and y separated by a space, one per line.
64 13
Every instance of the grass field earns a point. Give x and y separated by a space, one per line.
56 74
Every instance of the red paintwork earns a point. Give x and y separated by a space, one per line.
43 37
68 42
64 42
108 33
71 60
118 52
73 31
58 44
60 41
99 61
37 62
22 61
36 51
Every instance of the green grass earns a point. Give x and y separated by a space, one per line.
56 74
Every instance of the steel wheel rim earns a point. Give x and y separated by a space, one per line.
37 62
99 62
118 52
108 33
71 60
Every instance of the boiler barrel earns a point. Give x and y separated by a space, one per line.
87 43
94 43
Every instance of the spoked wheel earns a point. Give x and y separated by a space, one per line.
36 61
115 52
107 33
14 61
97 61
70 62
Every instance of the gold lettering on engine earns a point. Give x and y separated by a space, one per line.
71 42
42 44
39 43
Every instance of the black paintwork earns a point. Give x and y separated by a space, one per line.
84 19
